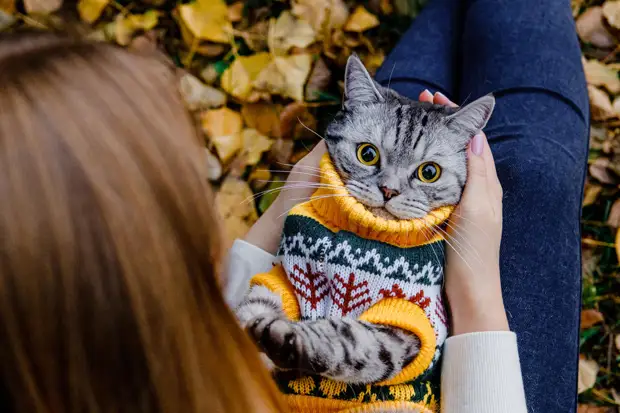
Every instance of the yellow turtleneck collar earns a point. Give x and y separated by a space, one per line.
338 210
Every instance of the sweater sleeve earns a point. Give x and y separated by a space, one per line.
481 373
244 261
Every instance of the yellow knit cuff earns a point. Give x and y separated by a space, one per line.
404 314
276 281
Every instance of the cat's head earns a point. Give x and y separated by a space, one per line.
405 156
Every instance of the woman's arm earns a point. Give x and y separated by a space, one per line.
481 370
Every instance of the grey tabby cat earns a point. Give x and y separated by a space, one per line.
401 158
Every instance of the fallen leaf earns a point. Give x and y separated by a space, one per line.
590 317
299 154
600 104
617 341
295 70
617 242
318 81
386 7
197 95
6 20
361 20
256 36
127 25
271 193
214 167
281 152
287 32
296 121
264 117
235 205
584 408
373 61
588 369
235 12
90 10
323 15
258 179
591 194
599 169
590 28
611 12
42 6
615 394
209 74
207 20
239 77
254 144
598 74
613 219
222 126
7 7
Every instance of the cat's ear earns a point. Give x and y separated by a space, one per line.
473 117
359 88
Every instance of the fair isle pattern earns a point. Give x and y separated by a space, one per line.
338 274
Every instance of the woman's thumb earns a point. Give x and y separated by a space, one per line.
476 169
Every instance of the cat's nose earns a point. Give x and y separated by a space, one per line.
388 193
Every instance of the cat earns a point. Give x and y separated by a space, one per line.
401 159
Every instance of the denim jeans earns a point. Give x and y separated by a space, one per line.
526 52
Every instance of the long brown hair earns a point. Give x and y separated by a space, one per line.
109 300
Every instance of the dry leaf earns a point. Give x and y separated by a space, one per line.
617 341
264 117
600 104
256 37
323 15
235 12
281 152
209 73
613 219
591 194
214 167
598 74
599 169
239 77
611 12
361 20
207 20
588 369
258 178
126 26
235 205
584 408
90 10
615 395
254 144
222 126
287 32
42 6
292 120
590 317
6 20
295 70
373 61
199 96
590 28
318 80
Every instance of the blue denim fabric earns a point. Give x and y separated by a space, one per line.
526 52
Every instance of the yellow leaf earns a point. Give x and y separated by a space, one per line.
264 117
232 204
590 317
6 19
254 144
197 95
598 74
42 6
611 12
235 11
6 7
90 10
600 104
287 31
126 26
323 15
207 20
295 70
588 369
222 127
214 167
361 20
238 78
591 29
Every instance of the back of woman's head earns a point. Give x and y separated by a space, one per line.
109 300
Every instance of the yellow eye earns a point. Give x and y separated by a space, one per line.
428 172
368 154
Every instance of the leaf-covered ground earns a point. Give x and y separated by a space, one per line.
260 76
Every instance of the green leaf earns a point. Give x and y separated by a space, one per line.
270 196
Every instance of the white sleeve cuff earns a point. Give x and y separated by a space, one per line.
481 373
244 261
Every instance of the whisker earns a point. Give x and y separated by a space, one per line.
310 129
309 200
314 168
472 222
282 188
457 251
391 73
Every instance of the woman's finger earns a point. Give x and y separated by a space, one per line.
426 96
441 99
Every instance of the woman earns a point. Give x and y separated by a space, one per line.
527 54
109 300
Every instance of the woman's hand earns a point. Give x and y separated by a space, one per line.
300 185
473 282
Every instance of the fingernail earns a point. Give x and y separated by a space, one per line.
441 95
477 144
427 92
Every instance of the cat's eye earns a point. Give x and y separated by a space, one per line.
367 154
428 172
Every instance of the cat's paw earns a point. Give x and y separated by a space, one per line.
277 338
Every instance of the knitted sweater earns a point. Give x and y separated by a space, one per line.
336 259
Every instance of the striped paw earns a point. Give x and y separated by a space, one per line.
277 337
